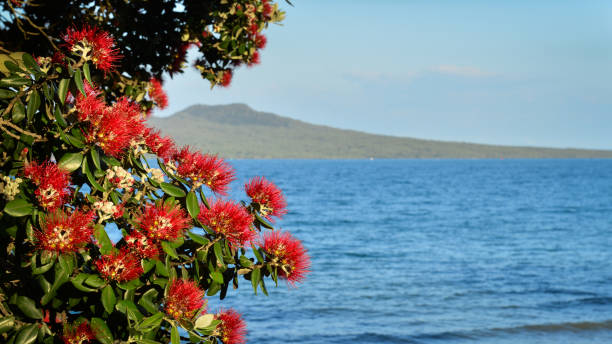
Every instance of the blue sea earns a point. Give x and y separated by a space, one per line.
439 251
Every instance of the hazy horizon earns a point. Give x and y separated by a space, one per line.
506 73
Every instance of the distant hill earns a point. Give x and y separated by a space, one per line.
237 131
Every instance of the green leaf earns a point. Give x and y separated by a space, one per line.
213 288
255 277
27 335
106 245
18 207
95 157
217 277
101 330
257 254
198 238
71 161
218 251
18 113
204 320
77 282
30 63
150 323
78 80
87 73
28 307
174 335
94 281
94 183
263 222
63 90
109 160
6 324
67 263
108 299
203 198
146 300
192 204
246 262
6 94
14 81
33 104
172 190
167 247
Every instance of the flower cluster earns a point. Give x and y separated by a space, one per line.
288 253
267 196
157 94
120 178
120 266
163 147
112 128
141 245
9 187
52 183
232 329
107 210
62 232
78 334
204 169
163 221
184 299
229 219
91 44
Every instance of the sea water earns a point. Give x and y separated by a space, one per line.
439 251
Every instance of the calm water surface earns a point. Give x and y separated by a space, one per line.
440 251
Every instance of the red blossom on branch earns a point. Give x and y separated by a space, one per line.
268 197
288 253
79 334
232 329
226 78
93 44
52 183
204 169
157 93
163 221
230 219
260 41
141 245
121 266
163 147
62 232
184 299
115 129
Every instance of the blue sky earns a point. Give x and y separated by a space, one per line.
500 72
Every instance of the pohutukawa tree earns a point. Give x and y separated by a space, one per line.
78 160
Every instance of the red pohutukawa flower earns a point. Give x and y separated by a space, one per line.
163 221
156 92
52 183
204 169
62 232
288 254
163 147
78 334
260 41
230 219
184 299
89 106
115 128
226 78
93 45
267 196
121 266
232 329
141 245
